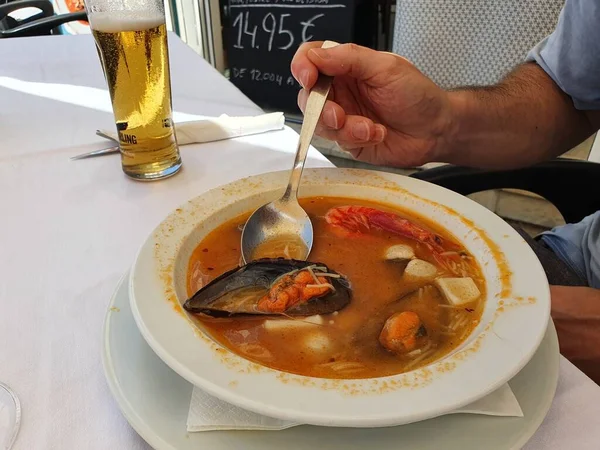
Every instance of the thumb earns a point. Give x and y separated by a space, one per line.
355 61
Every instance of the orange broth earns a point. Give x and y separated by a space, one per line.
345 344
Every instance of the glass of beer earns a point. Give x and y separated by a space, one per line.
131 37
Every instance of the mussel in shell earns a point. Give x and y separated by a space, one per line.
273 286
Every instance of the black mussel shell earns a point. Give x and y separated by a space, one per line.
262 273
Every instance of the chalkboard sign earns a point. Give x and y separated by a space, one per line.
262 37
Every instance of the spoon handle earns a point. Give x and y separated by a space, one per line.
314 108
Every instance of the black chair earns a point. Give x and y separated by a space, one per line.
569 184
41 24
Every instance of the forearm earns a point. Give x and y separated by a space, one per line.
576 314
524 119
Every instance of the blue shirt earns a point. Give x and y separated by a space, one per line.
571 57
571 54
578 245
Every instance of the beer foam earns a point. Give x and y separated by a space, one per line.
115 22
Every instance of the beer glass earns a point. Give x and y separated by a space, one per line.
131 38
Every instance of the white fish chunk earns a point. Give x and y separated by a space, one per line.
458 291
317 320
419 270
399 252
288 324
317 342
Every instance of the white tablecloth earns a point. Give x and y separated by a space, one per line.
68 231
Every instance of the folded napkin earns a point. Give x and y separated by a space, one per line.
222 127
208 413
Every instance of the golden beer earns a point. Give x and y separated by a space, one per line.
135 60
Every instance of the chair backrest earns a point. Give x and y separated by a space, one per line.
471 42
575 178
44 23
10 7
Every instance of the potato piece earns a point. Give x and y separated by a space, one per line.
288 324
458 291
419 270
399 252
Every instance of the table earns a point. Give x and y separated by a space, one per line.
69 230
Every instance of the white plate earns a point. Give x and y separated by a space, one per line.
155 401
513 323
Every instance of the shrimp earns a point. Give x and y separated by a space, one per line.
361 219
358 220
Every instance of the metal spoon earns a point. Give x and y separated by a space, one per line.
285 218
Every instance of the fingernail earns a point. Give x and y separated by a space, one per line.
330 118
302 99
360 131
320 53
304 76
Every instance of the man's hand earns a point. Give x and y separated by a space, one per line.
576 314
384 111
381 108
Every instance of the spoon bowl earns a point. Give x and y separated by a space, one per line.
283 222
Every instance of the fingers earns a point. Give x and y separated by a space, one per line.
347 130
349 59
303 69
346 59
358 136
357 132
333 115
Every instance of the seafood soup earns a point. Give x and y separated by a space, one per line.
384 292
